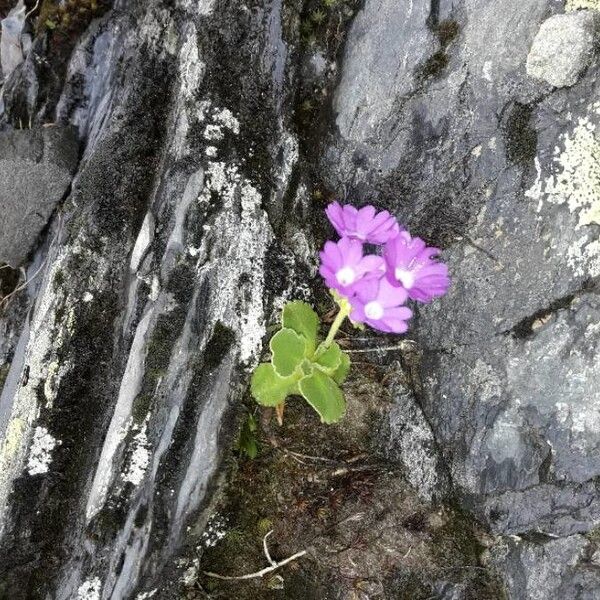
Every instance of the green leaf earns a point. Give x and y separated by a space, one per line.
270 389
342 371
324 395
288 349
307 367
252 424
247 443
329 359
333 361
300 317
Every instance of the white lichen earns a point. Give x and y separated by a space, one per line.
40 453
225 117
191 69
90 589
213 132
574 177
584 258
253 233
139 458
215 530
218 120
190 576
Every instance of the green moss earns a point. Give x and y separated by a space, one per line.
447 31
458 546
318 16
433 66
167 330
4 369
264 526
408 585
158 355
63 16
181 283
59 279
457 538
594 535
519 136
141 406
219 344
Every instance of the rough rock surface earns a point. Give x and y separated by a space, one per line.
408 438
549 568
11 50
36 167
488 164
563 48
212 131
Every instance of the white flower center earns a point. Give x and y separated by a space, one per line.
406 278
374 310
345 276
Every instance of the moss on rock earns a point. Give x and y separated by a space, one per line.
322 489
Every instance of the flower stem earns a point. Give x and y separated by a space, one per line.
345 309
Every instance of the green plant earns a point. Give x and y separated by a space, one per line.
370 289
247 442
318 16
301 365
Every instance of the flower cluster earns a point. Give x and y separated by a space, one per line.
377 287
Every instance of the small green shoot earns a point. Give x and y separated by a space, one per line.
302 366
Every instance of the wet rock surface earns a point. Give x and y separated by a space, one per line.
212 135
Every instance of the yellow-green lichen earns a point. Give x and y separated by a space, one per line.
12 441
578 4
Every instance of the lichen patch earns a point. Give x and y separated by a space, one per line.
12 438
40 453
584 258
90 589
574 179
253 234
139 458
582 4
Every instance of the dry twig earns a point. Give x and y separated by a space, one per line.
274 565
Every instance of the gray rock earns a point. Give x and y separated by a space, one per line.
477 161
407 438
11 40
373 80
36 167
563 48
548 568
155 299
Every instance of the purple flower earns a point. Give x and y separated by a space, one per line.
412 265
379 304
343 264
365 224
